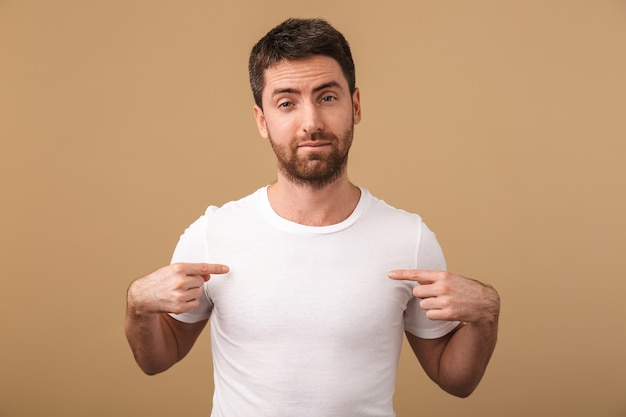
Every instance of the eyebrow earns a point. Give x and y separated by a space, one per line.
317 89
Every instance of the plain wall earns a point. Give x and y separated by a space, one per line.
501 123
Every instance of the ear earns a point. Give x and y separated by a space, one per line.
356 105
260 121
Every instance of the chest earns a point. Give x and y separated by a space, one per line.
312 288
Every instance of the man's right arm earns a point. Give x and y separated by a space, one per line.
157 340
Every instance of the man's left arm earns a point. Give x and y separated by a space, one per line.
457 361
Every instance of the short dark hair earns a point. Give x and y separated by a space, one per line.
296 39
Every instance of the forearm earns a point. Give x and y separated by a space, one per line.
157 340
457 361
465 357
152 341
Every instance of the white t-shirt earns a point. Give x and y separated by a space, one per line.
307 323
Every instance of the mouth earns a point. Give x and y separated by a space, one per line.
314 145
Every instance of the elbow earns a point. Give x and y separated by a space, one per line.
151 369
150 366
460 392
460 389
150 372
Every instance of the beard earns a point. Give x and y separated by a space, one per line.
314 169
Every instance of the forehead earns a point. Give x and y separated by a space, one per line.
303 73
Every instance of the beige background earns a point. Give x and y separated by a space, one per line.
501 123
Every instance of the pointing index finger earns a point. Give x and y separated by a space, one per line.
418 275
203 269
216 268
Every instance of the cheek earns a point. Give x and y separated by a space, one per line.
281 131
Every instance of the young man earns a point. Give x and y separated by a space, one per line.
311 282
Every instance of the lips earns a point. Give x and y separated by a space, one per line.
316 144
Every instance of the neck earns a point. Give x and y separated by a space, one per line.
311 206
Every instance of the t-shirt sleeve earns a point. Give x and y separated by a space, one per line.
191 248
429 257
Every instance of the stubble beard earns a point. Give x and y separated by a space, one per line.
315 170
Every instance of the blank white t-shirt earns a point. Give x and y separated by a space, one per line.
307 323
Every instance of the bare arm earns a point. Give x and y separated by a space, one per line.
157 340
457 361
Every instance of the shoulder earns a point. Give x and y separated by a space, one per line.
383 211
401 223
231 216
250 202
215 213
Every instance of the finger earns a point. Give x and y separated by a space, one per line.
419 275
425 291
438 314
201 269
435 303
428 304
213 269
194 281
192 294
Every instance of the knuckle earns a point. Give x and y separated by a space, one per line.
178 298
444 275
177 284
445 288
449 304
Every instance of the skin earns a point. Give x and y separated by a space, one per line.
304 98
308 115
457 361
157 340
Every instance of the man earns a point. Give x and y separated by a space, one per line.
311 282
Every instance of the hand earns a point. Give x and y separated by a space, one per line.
172 289
451 297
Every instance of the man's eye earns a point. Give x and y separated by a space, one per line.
284 104
328 99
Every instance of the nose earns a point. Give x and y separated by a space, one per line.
312 120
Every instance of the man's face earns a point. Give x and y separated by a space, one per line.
308 116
